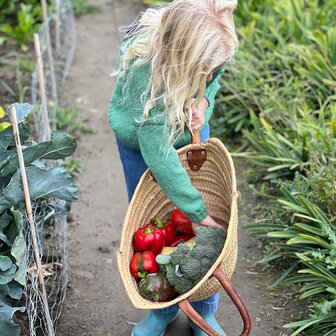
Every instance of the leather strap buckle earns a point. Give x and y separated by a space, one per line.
196 158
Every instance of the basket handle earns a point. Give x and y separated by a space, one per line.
196 156
227 285
196 137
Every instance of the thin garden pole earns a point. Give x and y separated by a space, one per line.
30 219
58 26
50 54
44 111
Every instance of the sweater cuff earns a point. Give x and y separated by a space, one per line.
198 215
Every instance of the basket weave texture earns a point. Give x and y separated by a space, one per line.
217 183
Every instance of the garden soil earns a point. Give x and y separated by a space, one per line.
96 303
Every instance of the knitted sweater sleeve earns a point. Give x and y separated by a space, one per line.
169 172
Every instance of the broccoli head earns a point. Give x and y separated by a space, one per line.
189 264
209 244
182 284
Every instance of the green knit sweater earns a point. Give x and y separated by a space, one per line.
149 137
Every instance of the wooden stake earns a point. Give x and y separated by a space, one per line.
50 54
30 218
44 118
58 26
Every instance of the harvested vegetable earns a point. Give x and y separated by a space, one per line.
143 263
166 228
181 223
189 263
156 287
149 238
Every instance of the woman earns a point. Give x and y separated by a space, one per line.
170 65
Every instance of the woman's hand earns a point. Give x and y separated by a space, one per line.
197 115
208 221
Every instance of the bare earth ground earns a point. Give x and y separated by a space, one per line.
96 302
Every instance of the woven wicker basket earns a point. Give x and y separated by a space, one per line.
210 168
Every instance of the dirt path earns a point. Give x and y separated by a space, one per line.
96 303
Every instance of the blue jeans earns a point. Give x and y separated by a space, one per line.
134 166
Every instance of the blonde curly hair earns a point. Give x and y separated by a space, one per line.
183 42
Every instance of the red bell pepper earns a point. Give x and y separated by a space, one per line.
149 238
167 229
143 263
181 222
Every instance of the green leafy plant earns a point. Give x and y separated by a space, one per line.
9 9
81 7
66 120
301 139
280 153
304 239
27 24
286 60
311 240
45 183
321 321
317 63
17 76
72 165
278 101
